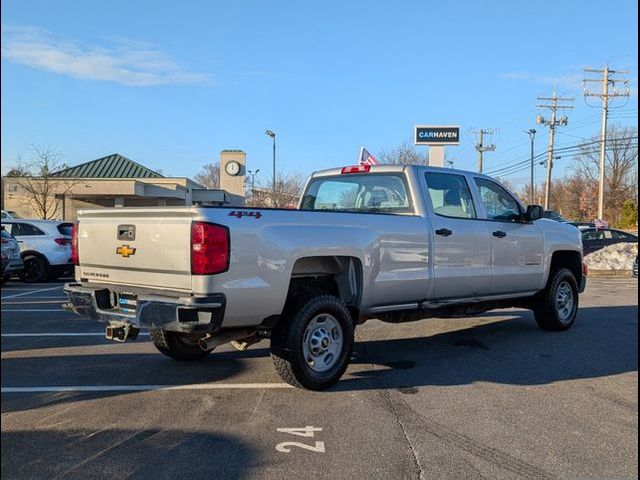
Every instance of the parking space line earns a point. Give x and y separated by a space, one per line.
62 334
145 388
33 302
4 310
31 292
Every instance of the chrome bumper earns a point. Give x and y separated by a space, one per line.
152 311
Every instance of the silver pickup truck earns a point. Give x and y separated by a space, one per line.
395 243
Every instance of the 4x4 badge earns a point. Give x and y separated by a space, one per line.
126 251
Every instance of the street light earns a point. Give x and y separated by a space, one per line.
271 133
253 174
532 189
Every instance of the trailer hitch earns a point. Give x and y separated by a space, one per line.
121 333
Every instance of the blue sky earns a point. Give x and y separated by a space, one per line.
170 84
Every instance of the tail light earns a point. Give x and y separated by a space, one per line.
62 241
209 248
5 240
75 254
357 169
585 270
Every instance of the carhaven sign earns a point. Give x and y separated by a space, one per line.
431 135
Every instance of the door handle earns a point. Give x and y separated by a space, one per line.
444 232
499 234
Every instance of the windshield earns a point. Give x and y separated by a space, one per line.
366 193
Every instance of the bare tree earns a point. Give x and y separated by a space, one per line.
287 192
209 175
404 154
621 160
41 189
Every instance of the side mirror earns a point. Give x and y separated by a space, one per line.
534 212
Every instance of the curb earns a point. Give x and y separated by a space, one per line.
610 274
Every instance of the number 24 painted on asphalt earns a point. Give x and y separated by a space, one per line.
308 431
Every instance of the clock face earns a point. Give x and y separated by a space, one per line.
232 168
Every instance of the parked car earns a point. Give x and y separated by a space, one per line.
583 224
8 214
392 242
553 215
594 239
11 261
634 269
45 247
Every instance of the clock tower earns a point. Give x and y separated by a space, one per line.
233 173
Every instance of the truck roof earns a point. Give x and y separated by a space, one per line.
397 168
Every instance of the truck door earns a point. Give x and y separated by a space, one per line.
516 246
461 242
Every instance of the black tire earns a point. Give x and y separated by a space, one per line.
549 313
35 269
288 339
178 346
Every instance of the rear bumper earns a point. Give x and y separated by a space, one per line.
176 314
11 267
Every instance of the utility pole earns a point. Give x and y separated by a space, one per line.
481 147
605 94
553 103
271 133
532 188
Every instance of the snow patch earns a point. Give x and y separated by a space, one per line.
614 257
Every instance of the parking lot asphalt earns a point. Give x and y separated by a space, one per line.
484 397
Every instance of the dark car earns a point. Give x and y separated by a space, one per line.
594 239
583 224
634 270
553 215
11 260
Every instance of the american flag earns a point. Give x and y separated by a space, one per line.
366 158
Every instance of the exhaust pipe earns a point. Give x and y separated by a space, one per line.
209 341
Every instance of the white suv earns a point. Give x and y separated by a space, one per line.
45 246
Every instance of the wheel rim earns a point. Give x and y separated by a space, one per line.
565 302
32 270
322 342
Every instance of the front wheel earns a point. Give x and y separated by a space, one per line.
35 269
179 346
557 308
311 345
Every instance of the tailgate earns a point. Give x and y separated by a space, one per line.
138 247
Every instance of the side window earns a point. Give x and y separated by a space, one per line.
450 195
498 203
25 229
593 235
622 235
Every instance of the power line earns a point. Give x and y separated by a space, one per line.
562 149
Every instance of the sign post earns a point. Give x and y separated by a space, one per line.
436 138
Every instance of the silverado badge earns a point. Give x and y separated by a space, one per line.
126 251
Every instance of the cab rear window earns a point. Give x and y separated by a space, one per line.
366 193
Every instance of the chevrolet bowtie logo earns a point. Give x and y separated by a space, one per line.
126 251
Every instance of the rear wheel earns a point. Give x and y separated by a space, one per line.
179 346
35 269
557 308
311 345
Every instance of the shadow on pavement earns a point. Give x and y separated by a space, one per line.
603 342
118 453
